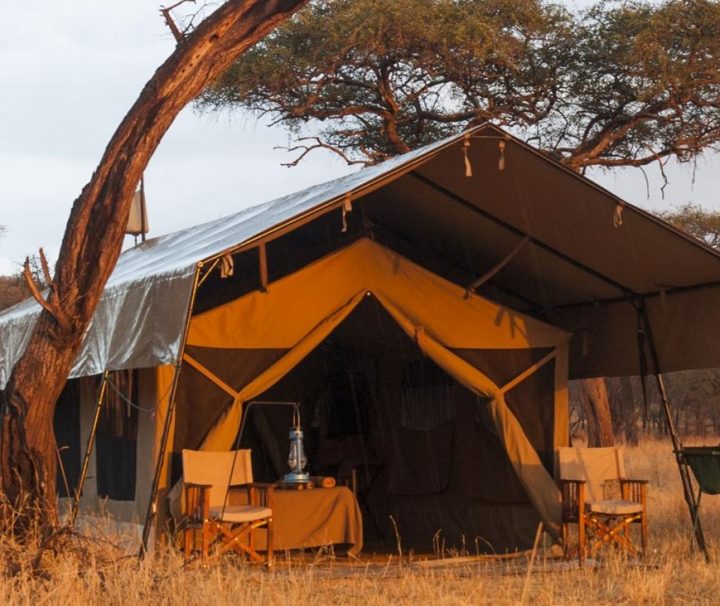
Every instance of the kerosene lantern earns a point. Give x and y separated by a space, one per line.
297 459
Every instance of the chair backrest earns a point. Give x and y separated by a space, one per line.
594 465
215 468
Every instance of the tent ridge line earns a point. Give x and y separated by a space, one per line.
532 240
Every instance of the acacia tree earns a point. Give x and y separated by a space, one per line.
375 78
697 221
623 84
92 244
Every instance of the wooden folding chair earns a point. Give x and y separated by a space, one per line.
210 480
586 479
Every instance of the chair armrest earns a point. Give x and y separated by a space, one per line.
573 499
258 493
197 501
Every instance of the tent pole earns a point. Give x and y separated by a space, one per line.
688 492
88 449
152 508
497 267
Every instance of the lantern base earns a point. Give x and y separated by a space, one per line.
295 477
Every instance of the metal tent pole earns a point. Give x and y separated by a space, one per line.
688 492
152 508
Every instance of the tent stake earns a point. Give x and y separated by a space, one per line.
688 492
152 509
88 449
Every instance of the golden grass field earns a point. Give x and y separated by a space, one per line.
671 574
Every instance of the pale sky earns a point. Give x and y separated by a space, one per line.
70 70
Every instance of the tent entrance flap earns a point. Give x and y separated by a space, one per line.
426 449
303 311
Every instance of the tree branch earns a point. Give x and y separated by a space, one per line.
52 309
319 144
165 12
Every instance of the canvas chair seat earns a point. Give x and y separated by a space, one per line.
615 507
240 513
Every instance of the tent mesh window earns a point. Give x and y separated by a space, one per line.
66 424
116 451
426 401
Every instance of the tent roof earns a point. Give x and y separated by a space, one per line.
577 256
164 268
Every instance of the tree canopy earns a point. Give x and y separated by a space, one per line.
696 221
623 83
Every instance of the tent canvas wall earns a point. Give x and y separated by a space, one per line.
543 244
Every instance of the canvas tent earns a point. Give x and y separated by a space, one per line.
505 270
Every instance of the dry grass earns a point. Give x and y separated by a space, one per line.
672 574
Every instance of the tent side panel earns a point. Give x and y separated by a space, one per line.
128 514
605 337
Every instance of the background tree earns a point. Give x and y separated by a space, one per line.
696 221
623 84
376 78
14 288
92 243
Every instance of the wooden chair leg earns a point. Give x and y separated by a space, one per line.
643 533
188 535
581 538
205 542
270 542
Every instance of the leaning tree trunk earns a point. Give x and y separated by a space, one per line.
596 405
91 245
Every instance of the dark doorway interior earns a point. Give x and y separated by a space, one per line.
423 447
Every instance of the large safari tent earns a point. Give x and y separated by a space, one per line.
427 314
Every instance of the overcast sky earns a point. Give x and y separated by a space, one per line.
70 70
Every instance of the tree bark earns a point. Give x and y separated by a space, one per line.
91 245
597 411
